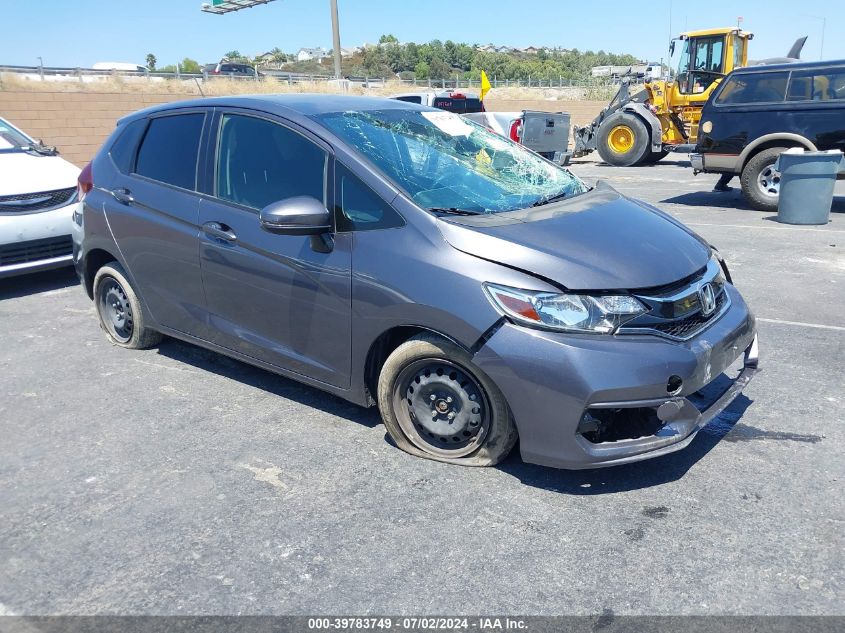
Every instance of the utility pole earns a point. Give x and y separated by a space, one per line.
335 38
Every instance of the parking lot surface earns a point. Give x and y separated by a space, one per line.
177 481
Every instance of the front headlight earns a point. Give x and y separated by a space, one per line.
563 311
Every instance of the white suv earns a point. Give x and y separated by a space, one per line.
37 200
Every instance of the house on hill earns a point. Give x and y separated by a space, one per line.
307 54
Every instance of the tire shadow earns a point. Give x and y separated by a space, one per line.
730 200
276 384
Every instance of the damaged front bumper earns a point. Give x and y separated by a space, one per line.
592 401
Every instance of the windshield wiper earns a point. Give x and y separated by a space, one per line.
40 148
549 199
455 211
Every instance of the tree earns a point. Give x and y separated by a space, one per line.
421 71
151 61
234 56
439 69
278 56
190 66
388 39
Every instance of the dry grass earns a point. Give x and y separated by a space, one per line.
270 85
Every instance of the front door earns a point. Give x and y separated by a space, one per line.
282 299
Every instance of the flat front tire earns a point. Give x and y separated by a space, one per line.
119 309
436 404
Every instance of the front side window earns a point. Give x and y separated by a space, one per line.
823 84
444 162
359 207
260 162
700 63
750 88
169 150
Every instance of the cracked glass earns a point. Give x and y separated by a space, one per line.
447 163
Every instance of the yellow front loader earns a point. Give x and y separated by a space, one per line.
642 128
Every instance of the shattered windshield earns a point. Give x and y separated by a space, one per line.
447 163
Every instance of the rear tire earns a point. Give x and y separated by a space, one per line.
760 182
119 309
623 140
436 404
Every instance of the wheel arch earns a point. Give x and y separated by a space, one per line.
385 344
94 260
781 139
641 111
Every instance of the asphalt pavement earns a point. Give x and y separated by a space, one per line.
177 481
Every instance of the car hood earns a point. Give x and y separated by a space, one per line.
599 240
23 172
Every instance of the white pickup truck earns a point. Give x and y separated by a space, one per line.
546 133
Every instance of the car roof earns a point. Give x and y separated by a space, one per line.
788 66
302 104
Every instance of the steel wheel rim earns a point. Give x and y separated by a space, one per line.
621 139
769 181
426 420
116 310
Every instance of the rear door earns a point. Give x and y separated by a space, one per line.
153 213
282 299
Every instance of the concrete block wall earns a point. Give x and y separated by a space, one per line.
78 122
75 122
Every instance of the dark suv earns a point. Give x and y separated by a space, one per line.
760 111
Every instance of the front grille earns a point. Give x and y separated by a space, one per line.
35 250
676 312
32 202
687 326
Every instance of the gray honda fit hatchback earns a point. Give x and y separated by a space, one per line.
398 255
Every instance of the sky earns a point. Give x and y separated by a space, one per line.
74 33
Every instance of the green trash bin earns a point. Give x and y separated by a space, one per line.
806 185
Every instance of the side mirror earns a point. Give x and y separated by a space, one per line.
671 48
301 215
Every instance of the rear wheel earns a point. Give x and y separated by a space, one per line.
436 404
623 140
761 181
119 310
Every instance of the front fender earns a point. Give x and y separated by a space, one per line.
650 119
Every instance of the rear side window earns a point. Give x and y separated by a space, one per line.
410 99
169 150
260 162
123 149
822 84
748 88
359 208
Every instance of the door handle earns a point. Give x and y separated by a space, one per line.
122 195
219 231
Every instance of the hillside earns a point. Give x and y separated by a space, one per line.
445 60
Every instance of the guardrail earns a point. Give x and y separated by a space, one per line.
82 75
